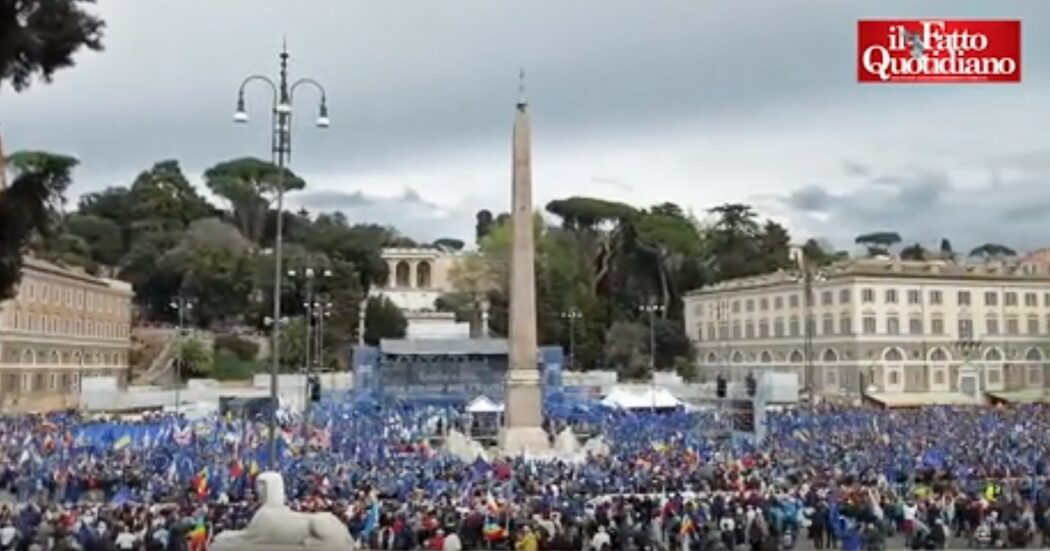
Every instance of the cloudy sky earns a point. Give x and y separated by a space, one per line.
698 102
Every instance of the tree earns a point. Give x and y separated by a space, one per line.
625 349
738 246
102 236
27 207
914 252
482 225
162 199
39 37
878 243
686 369
474 277
992 250
196 359
383 320
671 240
248 184
946 249
449 244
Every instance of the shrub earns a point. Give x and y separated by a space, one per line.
229 367
243 349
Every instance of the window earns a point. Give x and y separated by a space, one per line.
763 329
845 325
1013 326
736 306
829 325
965 329
793 301
778 328
30 291
991 325
749 305
736 329
937 326
69 297
827 298
914 296
1010 299
723 330
893 325
844 296
811 326
1033 325
895 378
778 303
763 304
891 296
1046 299
711 331
1031 299
869 325
938 377
993 377
867 296
915 326
793 327
991 298
749 329
936 297
964 298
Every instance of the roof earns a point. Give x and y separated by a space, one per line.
916 399
436 347
43 266
888 268
647 398
1033 396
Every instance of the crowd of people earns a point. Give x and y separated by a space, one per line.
822 478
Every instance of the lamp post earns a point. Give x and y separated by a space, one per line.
281 150
310 275
572 315
807 277
181 304
652 307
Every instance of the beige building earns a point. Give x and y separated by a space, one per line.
61 326
418 276
884 326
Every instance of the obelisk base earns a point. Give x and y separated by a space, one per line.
523 430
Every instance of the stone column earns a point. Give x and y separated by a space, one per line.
523 432
391 281
412 266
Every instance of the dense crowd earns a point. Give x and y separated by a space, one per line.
822 478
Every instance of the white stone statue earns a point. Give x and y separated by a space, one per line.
276 527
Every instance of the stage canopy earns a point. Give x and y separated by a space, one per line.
482 404
647 398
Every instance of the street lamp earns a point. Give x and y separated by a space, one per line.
807 277
281 150
309 274
572 315
182 305
652 307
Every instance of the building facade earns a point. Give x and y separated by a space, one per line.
60 327
417 277
880 326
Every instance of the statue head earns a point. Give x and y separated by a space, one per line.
270 488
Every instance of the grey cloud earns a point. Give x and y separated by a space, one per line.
855 169
439 77
411 213
810 199
926 206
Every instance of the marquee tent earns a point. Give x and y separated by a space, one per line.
648 398
482 404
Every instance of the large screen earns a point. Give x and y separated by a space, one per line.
466 376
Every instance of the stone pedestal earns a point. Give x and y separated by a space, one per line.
522 432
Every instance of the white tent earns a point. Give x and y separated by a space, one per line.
482 404
648 398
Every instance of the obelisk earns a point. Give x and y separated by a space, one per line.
523 414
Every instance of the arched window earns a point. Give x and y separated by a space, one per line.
893 355
423 275
738 357
993 355
938 355
712 358
765 357
401 272
829 356
1033 355
796 357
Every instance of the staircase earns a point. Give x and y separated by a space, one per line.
160 368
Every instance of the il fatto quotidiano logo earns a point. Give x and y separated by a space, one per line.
939 50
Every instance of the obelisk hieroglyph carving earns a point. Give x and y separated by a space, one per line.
523 414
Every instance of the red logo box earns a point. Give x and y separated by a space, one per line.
939 50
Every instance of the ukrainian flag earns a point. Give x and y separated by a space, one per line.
122 442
